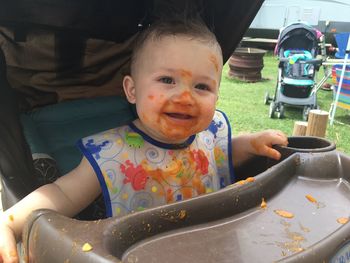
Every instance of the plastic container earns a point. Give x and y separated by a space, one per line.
305 144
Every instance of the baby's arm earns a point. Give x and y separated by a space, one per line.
260 143
68 195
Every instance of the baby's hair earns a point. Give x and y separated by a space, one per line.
194 29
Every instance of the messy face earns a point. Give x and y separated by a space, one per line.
175 87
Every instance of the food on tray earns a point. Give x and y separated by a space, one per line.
263 203
182 214
247 180
250 179
284 213
311 198
86 247
343 220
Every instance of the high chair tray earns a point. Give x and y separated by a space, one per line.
231 225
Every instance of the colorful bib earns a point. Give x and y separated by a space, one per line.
137 172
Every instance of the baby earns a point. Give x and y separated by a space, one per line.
178 148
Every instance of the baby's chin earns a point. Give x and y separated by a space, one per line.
177 137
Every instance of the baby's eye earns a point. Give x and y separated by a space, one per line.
167 80
202 87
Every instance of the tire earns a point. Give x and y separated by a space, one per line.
306 111
272 110
280 112
267 98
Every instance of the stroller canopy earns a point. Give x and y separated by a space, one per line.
118 20
298 36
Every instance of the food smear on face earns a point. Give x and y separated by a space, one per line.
215 62
180 117
343 220
186 74
284 213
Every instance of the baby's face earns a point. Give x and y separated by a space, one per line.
175 87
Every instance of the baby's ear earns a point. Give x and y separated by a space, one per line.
129 89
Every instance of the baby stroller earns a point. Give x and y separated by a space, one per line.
297 48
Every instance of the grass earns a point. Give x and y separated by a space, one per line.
244 105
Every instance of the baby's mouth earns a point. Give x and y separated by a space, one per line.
181 116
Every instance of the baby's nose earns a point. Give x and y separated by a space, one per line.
185 98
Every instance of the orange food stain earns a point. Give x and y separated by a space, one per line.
250 179
178 104
11 218
185 97
186 74
241 182
145 118
263 203
311 198
151 97
343 220
214 60
284 213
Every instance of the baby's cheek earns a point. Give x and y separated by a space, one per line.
207 107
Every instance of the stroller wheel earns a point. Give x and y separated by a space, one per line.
272 110
267 98
280 112
306 111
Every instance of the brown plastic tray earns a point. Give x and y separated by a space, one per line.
225 226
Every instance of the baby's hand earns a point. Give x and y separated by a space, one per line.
262 143
8 249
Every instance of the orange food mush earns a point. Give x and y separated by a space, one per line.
343 220
263 203
311 198
284 213
250 179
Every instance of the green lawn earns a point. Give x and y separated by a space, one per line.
244 105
